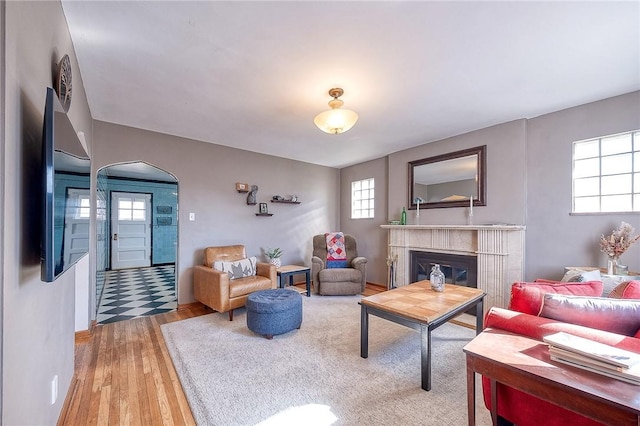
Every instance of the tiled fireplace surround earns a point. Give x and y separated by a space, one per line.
499 250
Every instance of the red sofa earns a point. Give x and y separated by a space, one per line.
522 318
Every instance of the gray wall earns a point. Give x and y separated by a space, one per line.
372 240
528 182
207 174
554 237
37 318
505 177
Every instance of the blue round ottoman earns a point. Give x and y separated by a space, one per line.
274 311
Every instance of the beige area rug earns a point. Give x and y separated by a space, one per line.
315 375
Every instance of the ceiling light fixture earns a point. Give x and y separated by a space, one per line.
336 120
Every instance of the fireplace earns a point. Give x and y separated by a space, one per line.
495 253
457 269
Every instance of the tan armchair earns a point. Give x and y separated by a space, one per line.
214 288
338 281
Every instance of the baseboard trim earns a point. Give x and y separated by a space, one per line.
377 285
66 406
84 335
183 306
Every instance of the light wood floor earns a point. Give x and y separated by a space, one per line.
124 374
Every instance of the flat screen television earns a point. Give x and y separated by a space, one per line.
66 170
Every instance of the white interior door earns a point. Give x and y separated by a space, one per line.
130 230
76 225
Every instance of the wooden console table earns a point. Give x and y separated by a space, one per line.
524 364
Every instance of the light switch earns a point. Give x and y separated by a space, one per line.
192 216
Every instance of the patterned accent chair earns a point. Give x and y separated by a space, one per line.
338 281
218 291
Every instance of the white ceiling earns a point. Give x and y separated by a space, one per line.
253 75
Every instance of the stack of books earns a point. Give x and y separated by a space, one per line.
594 356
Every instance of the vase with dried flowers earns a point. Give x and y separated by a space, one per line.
616 244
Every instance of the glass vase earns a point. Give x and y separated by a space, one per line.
612 265
437 278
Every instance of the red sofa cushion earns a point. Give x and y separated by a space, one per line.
620 316
527 297
626 290
538 327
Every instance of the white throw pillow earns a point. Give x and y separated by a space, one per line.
579 276
238 269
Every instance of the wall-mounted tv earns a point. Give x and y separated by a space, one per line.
66 170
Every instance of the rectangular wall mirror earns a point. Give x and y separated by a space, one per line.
449 180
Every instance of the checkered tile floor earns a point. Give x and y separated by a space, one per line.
130 293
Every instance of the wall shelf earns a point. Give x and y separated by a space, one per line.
285 201
264 214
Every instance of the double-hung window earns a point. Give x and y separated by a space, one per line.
606 174
362 199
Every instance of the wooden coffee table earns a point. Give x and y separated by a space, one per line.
524 364
418 307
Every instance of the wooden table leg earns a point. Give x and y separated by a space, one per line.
471 395
494 401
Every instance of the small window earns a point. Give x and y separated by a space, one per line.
362 199
131 209
606 174
84 208
78 204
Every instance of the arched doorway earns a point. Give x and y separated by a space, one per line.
136 241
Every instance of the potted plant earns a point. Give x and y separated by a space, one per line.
274 256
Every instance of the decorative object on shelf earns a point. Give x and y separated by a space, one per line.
470 214
277 198
242 187
274 256
336 120
403 217
164 209
293 198
252 196
392 261
264 208
437 278
616 244
285 201
63 82
418 200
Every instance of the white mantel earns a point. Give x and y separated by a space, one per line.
498 248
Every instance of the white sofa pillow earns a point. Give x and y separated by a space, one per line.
579 275
238 269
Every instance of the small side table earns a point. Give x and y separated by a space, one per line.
288 271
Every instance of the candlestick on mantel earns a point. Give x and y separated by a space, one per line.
470 217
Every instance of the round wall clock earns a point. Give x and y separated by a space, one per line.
63 82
